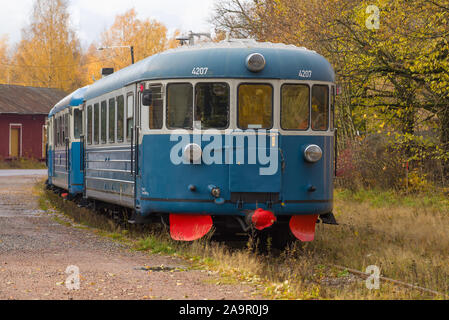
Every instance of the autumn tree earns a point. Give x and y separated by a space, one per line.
4 60
49 53
393 77
148 37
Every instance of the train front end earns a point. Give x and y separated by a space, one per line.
245 144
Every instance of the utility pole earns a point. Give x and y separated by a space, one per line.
113 47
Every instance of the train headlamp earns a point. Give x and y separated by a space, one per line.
192 153
313 153
255 62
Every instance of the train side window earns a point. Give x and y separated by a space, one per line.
320 108
120 118
295 107
66 127
77 123
156 110
212 105
255 109
57 131
179 105
129 116
96 123
103 122
332 113
89 124
111 120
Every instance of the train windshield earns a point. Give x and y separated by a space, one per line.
320 108
212 105
255 110
179 106
295 112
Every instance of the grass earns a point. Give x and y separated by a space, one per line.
406 236
22 164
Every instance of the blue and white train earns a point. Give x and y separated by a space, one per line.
237 134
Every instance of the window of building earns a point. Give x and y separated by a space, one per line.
156 110
212 105
255 110
320 107
179 106
295 107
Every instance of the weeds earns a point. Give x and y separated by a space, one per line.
405 236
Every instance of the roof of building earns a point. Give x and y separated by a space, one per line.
74 99
28 100
226 59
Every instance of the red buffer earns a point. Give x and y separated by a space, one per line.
189 227
303 227
263 219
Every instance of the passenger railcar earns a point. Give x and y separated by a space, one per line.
234 134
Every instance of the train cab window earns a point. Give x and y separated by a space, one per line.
103 122
57 130
111 120
156 110
129 117
332 121
320 108
179 106
255 110
120 118
96 123
89 124
212 105
295 110
77 123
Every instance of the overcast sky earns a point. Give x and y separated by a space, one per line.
91 17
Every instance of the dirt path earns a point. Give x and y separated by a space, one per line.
35 252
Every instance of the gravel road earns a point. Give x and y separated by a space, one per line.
35 252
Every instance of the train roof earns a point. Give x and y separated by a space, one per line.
226 59
74 99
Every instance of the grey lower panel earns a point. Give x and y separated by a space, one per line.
112 197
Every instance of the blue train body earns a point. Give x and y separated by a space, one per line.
120 157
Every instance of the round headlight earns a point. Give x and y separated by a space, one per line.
313 153
192 153
255 62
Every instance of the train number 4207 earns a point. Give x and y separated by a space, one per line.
305 73
200 71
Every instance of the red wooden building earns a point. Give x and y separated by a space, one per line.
23 111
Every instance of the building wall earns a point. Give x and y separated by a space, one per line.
31 134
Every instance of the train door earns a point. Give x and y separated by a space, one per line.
132 134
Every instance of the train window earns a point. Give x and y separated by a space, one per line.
77 123
212 105
120 118
295 110
96 123
89 124
111 120
255 109
179 105
129 116
57 131
332 121
103 122
320 107
156 110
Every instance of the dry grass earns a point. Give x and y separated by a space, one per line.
22 164
405 236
